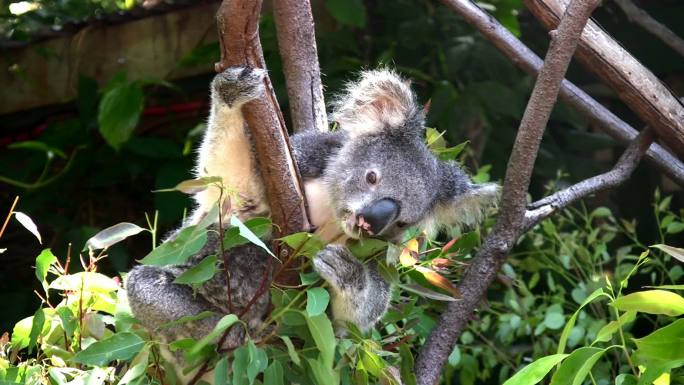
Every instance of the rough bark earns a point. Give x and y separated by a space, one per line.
639 17
529 62
297 44
238 26
638 87
509 225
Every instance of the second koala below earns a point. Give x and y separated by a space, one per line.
373 177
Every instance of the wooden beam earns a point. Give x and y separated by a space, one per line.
637 86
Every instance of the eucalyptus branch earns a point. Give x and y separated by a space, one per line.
545 207
297 44
639 17
485 266
528 61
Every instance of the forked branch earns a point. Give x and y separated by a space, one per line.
545 207
485 266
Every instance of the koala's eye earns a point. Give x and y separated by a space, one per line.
371 177
401 224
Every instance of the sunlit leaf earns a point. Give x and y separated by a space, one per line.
85 280
36 328
577 366
43 262
193 186
317 300
137 367
120 346
291 351
223 325
28 224
438 280
305 244
245 232
674 252
652 302
112 235
409 253
571 322
655 372
261 227
606 332
663 345
536 371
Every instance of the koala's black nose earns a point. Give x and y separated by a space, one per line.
377 215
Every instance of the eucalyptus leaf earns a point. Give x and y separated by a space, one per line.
536 371
28 224
119 112
187 243
652 302
120 346
112 235
317 300
577 366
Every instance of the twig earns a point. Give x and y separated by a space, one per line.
529 62
297 45
485 266
545 207
9 215
639 17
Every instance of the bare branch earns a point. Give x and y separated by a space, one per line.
297 45
639 17
240 45
529 62
545 207
508 227
638 87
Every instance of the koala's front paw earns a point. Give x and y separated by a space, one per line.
341 269
238 85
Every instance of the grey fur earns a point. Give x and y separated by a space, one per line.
381 130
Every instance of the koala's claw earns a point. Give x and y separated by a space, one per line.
337 266
238 85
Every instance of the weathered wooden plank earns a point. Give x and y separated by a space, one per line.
47 72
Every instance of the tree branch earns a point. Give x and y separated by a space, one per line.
508 227
639 17
529 62
240 45
545 207
636 86
297 44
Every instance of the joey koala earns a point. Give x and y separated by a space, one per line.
372 177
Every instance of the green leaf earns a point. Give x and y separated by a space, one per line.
576 366
223 324
261 227
36 328
323 373
536 371
307 244
68 320
245 232
322 332
654 371
427 293
554 317
675 228
571 322
221 371
257 361
291 351
201 272
120 346
663 345
28 224
193 186
406 369
652 302
674 252
86 281
137 367
347 12
43 262
35 145
606 332
274 375
21 333
112 235
187 243
187 318
372 363
119 112
316 301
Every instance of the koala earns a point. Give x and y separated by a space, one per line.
373 177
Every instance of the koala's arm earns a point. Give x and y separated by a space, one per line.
359 294
226 149
313 149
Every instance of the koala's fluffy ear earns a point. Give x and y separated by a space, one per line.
462 203
379 100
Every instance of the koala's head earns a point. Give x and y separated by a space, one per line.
384 178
